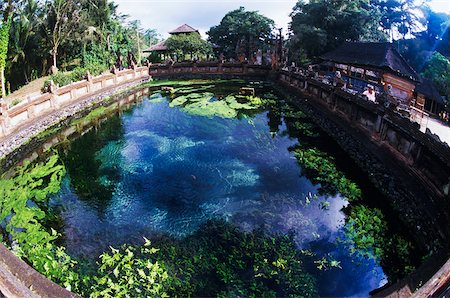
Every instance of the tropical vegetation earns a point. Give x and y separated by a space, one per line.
45 36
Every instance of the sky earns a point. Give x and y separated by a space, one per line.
166 15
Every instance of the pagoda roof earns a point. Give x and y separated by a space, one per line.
159 47
382 55
184 29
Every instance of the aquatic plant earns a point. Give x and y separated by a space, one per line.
367 236
205 104
129 272
324 171
365 229
221 260
22 203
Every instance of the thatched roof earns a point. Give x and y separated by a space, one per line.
375 54
159 47
427 88
184 29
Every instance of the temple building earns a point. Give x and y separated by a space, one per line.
376 63
427 98
161 48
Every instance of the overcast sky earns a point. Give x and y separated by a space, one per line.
166 15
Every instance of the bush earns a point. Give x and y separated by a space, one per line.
77 74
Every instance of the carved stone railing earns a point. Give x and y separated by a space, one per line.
419 151
12 118
208 68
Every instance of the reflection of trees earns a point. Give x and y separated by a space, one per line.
84 168
274 116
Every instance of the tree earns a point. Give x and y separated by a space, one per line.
242 31
24 46
398 16
321 25
437 69
191 43
4 40
62 21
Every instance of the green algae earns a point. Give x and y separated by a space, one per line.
210 109
205 104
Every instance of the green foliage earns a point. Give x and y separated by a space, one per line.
367 236
129 272
191 43
80 33
324 171
24 220
365 229
437 69
220 260
242 31
78 74
204 103
319 26
4 40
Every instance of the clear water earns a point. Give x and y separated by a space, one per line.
156 170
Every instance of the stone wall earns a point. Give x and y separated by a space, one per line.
196 69
427 157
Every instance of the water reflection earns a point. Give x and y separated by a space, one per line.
157 170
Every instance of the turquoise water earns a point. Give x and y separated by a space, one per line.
156 170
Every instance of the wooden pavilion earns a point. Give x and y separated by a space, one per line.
375 63
427 98
161 47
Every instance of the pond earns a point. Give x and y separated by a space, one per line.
187 160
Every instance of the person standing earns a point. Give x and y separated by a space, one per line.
370 93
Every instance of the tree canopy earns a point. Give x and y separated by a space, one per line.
321 25
190 43
242 31
68 34
437 69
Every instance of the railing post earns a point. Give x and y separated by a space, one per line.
53 97
30 109
4 118
89 81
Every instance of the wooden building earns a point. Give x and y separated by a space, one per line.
375 63
161 47
427 98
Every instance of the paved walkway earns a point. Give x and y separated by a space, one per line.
436 127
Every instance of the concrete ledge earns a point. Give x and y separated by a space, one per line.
19 280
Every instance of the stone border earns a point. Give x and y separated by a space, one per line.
23 133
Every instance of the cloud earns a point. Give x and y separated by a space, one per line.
166 15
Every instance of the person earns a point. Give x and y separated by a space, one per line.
370 93
338 81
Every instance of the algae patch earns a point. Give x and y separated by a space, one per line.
206 104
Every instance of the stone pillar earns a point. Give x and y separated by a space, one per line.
30 109
4 118
53 97
89 81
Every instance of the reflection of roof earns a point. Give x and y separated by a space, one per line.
377 54
428 89
183 29
161 46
